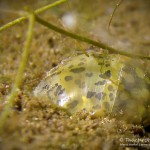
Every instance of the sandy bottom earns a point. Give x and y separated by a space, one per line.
37 123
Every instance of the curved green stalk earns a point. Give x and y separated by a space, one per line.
40 10
12 23
87 40
49 6
117 5
22 67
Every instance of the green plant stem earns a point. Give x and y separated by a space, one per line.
12 23
49 6
40 10
22 67
87 40
118 4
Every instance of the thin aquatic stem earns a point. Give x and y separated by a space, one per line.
49 6
25 55
87 40
18 20
38 11
17 84
117 5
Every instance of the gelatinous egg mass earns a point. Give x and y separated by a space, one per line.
101 84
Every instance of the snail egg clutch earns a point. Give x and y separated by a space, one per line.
97 82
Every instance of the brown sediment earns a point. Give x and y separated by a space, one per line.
39 124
